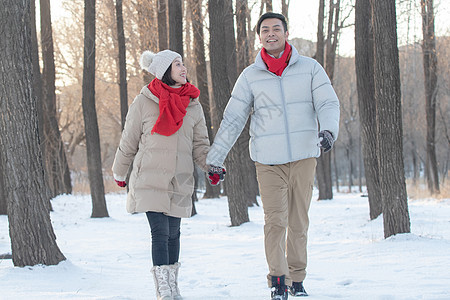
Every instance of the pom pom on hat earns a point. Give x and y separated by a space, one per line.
157 64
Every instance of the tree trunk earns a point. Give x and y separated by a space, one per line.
224 73
285 8
37 79
364 64
32 238
324 160
320 48
37 86
336 170
243 60
202 80
162 25
176 26
389 119
94 160
122 64
269 5
3 210
55 155
148 36
430 70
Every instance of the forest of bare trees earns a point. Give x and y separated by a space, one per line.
83 72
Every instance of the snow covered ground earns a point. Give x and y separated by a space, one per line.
348 256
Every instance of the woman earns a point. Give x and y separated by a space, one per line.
165 133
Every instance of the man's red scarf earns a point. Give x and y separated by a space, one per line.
172 105
277 65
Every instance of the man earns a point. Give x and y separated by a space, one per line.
289 97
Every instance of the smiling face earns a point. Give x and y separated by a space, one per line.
272 36
178 73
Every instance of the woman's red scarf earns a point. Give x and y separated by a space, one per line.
277 65
172 105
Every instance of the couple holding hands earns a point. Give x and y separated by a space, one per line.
292 105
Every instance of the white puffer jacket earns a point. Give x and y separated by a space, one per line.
285 112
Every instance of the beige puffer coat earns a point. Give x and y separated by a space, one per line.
162 176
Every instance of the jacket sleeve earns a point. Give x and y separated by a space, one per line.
129 142
234 119
201 142
326 102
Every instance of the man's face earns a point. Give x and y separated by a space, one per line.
272 36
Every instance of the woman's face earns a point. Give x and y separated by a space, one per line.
178 72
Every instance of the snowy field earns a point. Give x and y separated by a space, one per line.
348 256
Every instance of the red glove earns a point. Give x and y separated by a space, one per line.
121 183
216 174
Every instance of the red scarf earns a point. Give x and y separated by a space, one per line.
172 105
277 65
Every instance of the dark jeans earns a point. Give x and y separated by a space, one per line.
165 238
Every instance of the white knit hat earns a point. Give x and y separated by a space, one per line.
157 64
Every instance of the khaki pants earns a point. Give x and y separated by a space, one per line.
286 192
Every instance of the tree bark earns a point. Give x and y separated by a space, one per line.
37 79
364 63
224 73
323 173
243 60
285 8
3 210
389 119
176 26
202 81
32 238
430 72
37 86
94 160
122 64
162 25
320 50
55 155
148 36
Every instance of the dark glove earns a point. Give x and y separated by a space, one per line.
216 174
121 183
326 140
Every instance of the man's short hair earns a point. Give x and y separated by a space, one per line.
271 15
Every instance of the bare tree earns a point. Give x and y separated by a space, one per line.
389 119
122 63
37 79
148 36
285 7
267 4
224 74
3 210
32 238
176 26
55 155
202 78
430 72
366 99
243 60
90 115
162 25
327 47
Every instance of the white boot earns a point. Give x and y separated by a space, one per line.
161 278
173 281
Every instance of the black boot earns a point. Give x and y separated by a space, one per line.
279 288
297 289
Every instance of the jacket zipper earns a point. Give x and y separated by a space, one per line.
286 124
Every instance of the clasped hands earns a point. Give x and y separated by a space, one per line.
216 174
